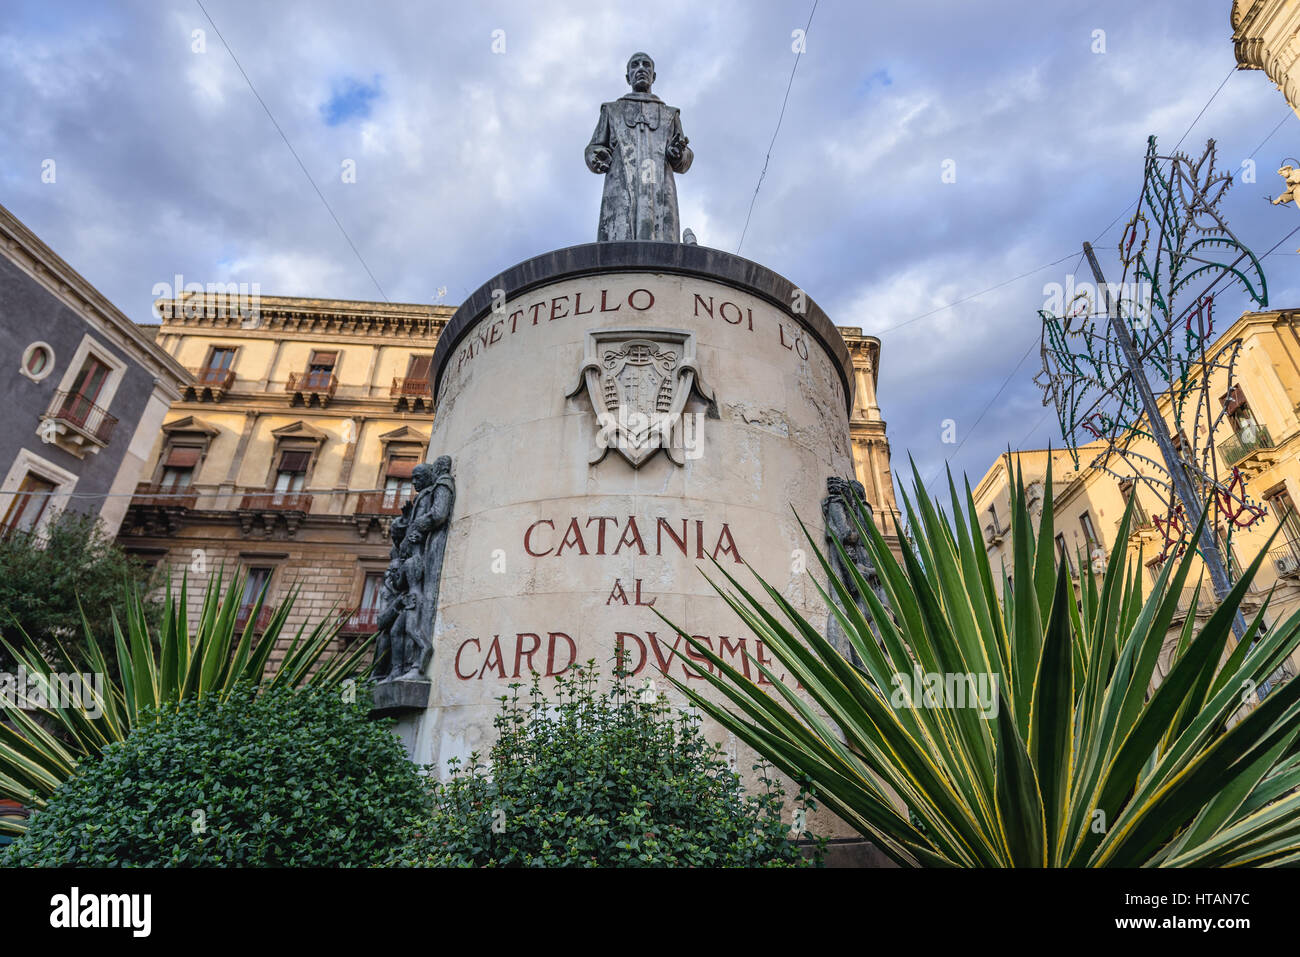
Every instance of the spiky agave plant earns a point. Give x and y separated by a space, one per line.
1084 764
39 747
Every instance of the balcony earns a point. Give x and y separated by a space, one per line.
209 384
245 612
413 393
310 385
381 503
1244 445
76 421
163 496
994 536
276 502
1205 603
364 621
1286 561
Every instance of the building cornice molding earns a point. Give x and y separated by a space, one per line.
277 315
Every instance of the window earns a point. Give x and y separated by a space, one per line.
1128 491
419 367
320 370
1239 414
1153 566
1287 518
365 620
178 467
371 590
1089 533
77 418
28 505
397 479
218 370
81 398
1062 556
257 579
38 361
292 473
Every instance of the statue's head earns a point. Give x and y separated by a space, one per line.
441 465
422 476
848 490
640 72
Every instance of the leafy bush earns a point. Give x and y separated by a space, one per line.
152 668
612 779
47 581
285 777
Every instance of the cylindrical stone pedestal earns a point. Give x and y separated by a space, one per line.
617 415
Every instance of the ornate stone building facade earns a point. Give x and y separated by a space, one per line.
1265 37
291 448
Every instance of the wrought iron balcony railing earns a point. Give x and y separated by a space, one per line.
163 496
320 384
411 388
1242 444
276 502
218 380
84 416
1286 560
381 503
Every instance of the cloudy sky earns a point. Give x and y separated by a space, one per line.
468 160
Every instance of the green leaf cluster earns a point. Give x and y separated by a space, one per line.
592 778
158 669
277 778
1088 762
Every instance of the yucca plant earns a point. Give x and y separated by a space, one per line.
39 747
1083 765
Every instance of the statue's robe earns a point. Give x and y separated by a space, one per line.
441 499
640 197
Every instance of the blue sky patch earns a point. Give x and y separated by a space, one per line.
351 98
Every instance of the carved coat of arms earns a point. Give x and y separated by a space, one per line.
639 381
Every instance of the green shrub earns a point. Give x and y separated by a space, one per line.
48 581
286 777
601 779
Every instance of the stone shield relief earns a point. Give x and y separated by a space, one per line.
639 381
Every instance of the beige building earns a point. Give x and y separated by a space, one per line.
1264 37
291 448
1258 435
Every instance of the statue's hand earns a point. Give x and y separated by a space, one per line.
599 160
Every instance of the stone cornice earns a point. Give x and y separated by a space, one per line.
26 251
864 348
280 315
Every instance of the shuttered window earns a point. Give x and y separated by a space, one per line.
419 367
182 457
294 460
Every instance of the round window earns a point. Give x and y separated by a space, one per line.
38 361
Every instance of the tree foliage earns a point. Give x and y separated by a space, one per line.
48 581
